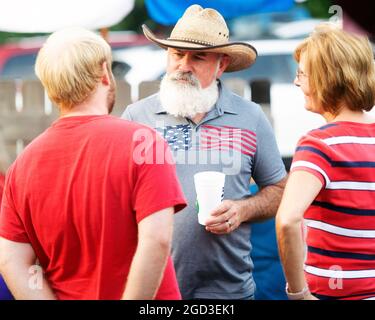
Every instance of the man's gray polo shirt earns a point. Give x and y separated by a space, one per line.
235 138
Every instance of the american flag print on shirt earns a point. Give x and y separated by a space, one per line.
179 137
221 138
226 138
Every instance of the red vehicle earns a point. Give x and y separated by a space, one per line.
17 58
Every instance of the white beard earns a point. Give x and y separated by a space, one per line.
186 99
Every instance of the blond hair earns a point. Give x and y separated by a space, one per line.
340 69
70 65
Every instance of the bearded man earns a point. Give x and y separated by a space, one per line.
210 128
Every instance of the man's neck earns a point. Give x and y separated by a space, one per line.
349 115
198 117
96 104
74 112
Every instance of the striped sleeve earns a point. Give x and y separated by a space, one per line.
312 155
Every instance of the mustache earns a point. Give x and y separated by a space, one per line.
186 76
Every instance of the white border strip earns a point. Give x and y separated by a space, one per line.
348 139
352 185
313 166
354 233
340 274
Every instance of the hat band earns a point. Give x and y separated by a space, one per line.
205 43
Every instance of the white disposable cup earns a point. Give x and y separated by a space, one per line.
209 186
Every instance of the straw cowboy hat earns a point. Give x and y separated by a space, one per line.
205 30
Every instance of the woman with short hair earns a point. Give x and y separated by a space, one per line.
332 179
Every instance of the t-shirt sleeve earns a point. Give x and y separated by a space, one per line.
2 182
312 155
268 166
156 183
11 225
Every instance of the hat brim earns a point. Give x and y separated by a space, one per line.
242 54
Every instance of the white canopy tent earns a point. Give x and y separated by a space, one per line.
45 16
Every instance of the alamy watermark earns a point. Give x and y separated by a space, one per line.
337 15
36 278
336 283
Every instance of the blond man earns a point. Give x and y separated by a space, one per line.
77 200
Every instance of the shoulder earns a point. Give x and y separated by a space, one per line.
244 112
240 104
124 127
325 131
319 136
315 143
111 125
148 104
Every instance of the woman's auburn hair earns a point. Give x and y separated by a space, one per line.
340 69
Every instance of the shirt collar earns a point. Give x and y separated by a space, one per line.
222 105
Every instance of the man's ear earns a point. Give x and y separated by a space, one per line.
106 76
224 62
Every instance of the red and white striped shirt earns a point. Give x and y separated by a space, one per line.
340 222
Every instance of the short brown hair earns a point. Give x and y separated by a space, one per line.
70 65
340 69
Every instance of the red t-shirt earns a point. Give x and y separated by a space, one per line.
77 193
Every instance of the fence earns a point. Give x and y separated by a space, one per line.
25 111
